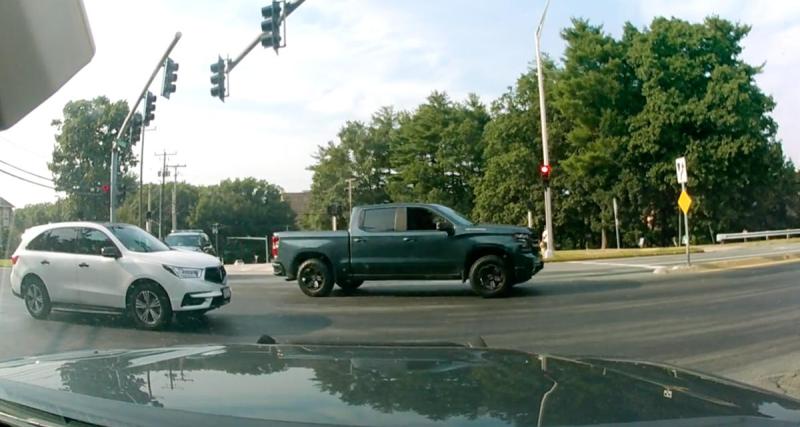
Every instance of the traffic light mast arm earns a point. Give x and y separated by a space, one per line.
147 86
112 217
290 7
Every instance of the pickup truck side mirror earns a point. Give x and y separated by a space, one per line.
446 227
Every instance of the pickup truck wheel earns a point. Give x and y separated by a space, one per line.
315 278
349 285
490 277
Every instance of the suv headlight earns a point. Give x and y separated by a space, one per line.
184 272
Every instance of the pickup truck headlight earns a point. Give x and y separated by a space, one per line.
184 272
524 240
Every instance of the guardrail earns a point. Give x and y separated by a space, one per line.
723 237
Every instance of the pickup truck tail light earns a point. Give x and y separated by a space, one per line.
275 241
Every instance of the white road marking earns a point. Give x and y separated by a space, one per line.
617 264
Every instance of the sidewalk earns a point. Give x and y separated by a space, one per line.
249 269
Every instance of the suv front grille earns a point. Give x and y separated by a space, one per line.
215 274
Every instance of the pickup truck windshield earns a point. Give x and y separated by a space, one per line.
455 216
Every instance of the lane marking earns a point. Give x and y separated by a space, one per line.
617 264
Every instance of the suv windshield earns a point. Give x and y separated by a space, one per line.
137 240
183 240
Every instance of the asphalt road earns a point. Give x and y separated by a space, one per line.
720 322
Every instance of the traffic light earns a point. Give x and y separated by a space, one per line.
136 128
105 188
271 25
170 77
218 79
544 171
149 108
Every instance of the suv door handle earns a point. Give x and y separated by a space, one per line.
45 262
409 239
358 240
83 264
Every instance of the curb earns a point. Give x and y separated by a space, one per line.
757 261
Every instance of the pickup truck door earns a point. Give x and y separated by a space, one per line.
376 247
429 252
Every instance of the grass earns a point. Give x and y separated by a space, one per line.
5 263
588 254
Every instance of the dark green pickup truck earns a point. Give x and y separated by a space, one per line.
407 241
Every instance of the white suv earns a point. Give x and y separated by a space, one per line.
113 268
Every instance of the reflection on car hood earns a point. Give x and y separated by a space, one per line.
180 258
381 386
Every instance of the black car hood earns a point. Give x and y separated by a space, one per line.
376 386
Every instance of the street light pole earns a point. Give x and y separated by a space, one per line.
350 193
548 211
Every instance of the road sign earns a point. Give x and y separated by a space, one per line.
684 201
680 169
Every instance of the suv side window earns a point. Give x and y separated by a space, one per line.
55 240
40 242
92 241
378 220
418 219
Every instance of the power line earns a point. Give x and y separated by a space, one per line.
27 180
23 148
29 173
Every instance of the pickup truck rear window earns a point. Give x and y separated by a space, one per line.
378 220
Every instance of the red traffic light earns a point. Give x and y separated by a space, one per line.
545 170
106 188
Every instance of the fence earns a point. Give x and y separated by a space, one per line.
723 237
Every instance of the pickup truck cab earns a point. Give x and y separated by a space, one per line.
409 241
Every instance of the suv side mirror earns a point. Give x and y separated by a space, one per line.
110 252
446 227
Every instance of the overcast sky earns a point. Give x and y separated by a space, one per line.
344 60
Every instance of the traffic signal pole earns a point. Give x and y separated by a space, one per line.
548 211
112 193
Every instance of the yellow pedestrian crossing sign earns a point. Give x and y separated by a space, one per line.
684 201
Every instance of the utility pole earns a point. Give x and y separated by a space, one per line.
149 221
163 175
215 230
548 213
174 194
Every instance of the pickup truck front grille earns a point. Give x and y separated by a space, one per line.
216 274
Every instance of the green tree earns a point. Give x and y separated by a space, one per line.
511 186
701 100
82 155
596 93
187 196
328 185
439 157
362 155
242 207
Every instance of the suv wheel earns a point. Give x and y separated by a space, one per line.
315 278
37 300
490 277
149 307
349 285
